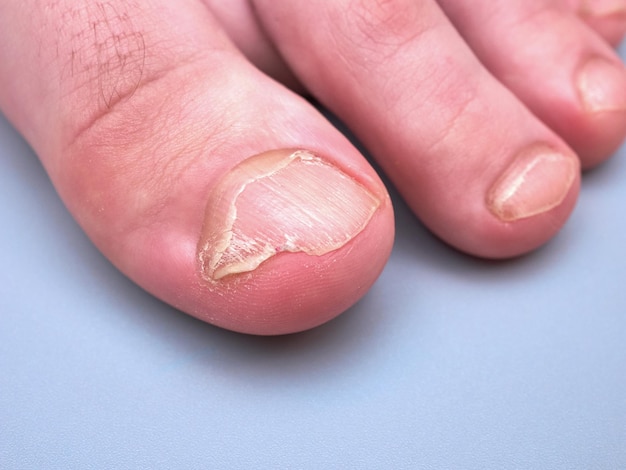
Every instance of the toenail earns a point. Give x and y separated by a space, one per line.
600 8
280 201
536 182
602 86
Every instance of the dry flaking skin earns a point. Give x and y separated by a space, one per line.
280 201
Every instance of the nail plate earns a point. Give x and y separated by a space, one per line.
280 201
537 181
602 85
600 8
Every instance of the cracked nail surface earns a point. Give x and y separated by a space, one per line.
280 201
537 181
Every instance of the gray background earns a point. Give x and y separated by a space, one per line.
449 362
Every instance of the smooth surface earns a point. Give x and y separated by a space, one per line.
449 362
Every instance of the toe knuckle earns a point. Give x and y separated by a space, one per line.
386 22
104 54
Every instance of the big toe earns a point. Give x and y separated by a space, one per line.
204 181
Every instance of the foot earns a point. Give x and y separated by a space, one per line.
228 196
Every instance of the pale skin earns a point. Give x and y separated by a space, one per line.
146 115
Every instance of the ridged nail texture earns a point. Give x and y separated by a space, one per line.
280 201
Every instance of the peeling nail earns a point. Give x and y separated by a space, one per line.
280 201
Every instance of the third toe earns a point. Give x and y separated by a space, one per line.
555 64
